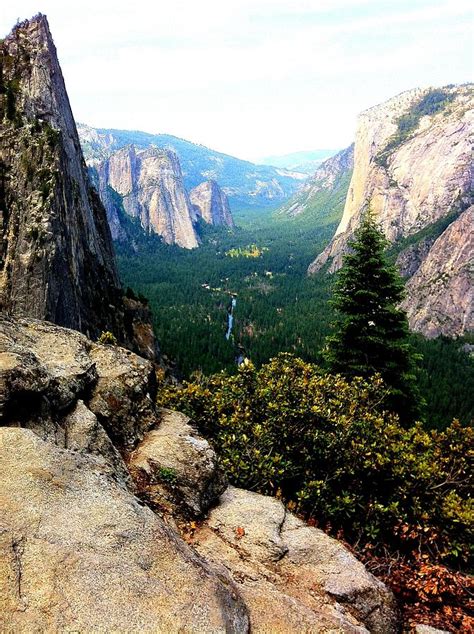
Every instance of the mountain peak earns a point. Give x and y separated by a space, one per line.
56 256
211 204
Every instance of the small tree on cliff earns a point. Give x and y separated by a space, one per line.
371 332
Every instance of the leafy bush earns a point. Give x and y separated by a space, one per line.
107 338
167 475
323 444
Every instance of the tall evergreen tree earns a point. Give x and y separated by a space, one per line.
371 333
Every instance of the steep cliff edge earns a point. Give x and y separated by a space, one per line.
150 183
56 254
413 162
211 204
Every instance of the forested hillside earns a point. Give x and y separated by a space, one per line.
279 308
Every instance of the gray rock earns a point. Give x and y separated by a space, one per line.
278 562
427 629
151 185
79 553
211 204
176 468
46 369
123 398
423 180
57 261
43 366
440 295
84 433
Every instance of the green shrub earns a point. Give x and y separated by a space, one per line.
167 475
107 338
323 444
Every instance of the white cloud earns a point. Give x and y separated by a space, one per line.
250 77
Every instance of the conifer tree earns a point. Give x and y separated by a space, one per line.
371 333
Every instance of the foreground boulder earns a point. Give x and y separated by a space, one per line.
176 468
80 553
293 577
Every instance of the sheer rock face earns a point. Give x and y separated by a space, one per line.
56 255
426 177
326 177
57 261
211 204
79 432
441 292
151 185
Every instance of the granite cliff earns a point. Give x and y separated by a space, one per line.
245 183
150 184
413 162
56 255
211 204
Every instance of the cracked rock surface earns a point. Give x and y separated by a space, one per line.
293 577
176 468
78 552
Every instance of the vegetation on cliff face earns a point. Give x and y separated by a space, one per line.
433 102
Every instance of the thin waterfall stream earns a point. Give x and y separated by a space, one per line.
230 317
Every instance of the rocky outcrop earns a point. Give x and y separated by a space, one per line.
177 470
211 204
412 161
56 255
330 176
151 186
294 578
245 184
440 294
79 437
46 370
79 552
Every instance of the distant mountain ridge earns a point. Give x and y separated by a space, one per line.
305 161
324 194
246 184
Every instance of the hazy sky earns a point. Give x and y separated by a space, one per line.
250 77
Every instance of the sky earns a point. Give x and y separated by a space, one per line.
250 78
